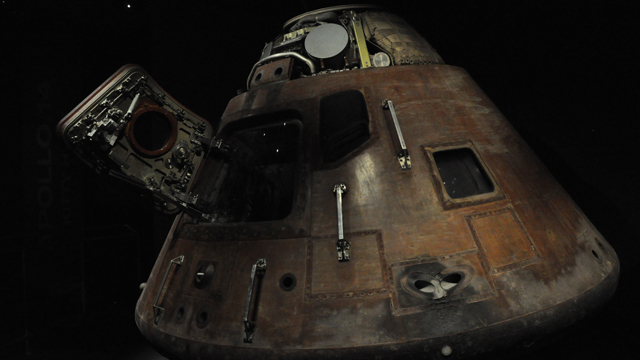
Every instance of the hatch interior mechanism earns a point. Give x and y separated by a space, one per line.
132 129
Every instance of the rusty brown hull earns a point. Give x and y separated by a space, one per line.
531 262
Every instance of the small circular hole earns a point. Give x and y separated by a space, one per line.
595 254
278 71
180 313
288 282
258 77
203 318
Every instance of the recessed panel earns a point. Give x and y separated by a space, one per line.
503 239
460 176
362 275
460 276
209 271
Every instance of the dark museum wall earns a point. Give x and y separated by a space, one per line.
78 245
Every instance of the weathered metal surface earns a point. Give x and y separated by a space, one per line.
528 252
431 272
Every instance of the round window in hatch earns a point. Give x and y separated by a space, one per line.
152 131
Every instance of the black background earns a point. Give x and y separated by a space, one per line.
77 245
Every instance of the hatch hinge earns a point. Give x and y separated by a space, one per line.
112 124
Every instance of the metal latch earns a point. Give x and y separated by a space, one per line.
403 155
258 269
342 246
157 310
223 147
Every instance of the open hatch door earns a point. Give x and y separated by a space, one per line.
130 128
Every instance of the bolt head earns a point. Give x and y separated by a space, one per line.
446 350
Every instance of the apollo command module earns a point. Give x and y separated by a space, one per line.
362 199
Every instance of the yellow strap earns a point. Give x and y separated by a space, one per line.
362 45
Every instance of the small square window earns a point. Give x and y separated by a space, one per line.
460 176
461 173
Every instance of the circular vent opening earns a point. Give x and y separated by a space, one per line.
424 286
450 281
202 318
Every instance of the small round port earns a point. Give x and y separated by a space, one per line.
288 282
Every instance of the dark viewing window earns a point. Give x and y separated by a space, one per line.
462 173
344 124
255 179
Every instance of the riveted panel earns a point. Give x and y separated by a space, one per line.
503 239
363 275
473 285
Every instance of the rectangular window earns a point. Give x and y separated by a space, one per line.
254 178
461 173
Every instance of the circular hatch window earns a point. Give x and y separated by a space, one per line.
152 131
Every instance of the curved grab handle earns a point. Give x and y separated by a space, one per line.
279 56
157 310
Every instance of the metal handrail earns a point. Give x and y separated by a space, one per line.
278 56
